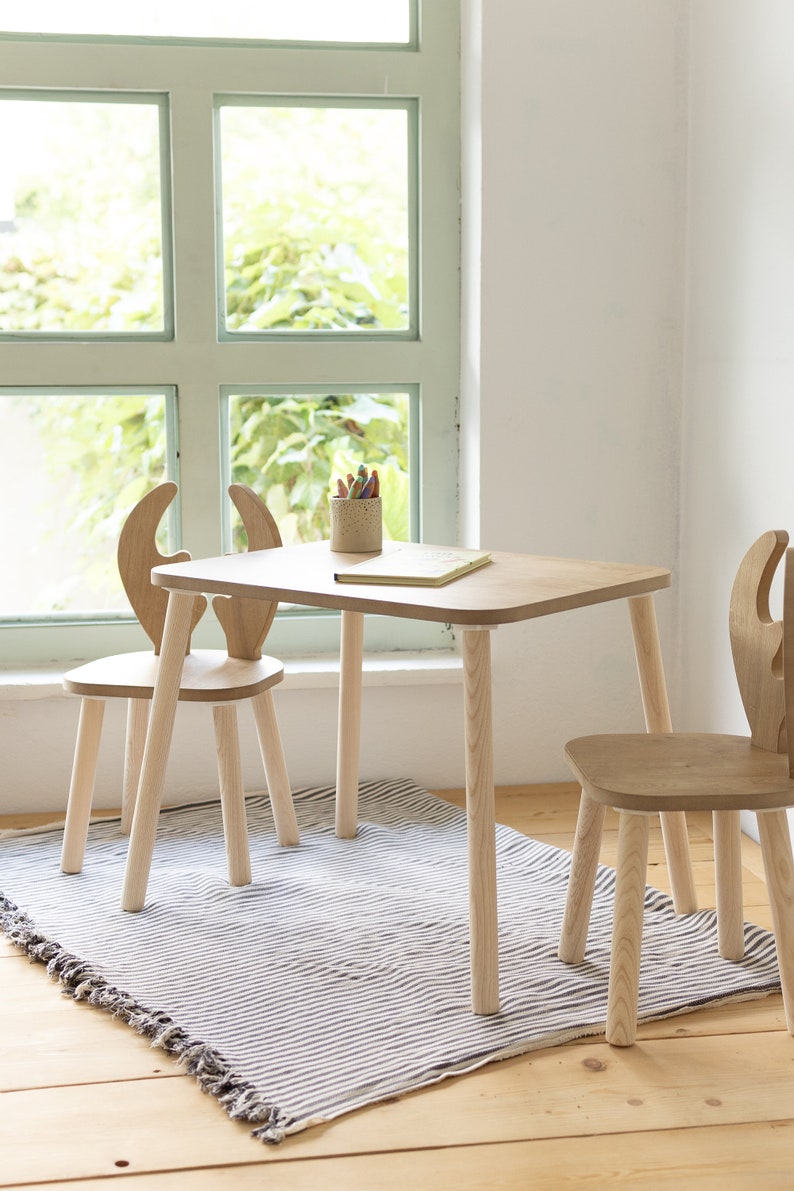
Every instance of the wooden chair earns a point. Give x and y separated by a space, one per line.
218 677
649 773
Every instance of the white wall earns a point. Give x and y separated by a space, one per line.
573 307
580 339
739 421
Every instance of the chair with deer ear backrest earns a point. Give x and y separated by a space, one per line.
649 773
218 677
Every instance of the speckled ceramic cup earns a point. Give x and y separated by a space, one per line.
356 525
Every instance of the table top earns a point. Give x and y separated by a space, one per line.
512 587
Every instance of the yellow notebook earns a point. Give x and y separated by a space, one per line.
420 568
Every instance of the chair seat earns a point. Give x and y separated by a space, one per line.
680 771
209 676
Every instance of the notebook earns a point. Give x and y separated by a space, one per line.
420 568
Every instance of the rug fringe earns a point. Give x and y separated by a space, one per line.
240 1100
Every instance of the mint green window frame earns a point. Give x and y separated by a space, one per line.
195 362
411 108
160 101
119 630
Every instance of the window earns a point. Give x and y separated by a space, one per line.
222 257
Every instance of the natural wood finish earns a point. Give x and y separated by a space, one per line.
513 587
208 676
624 970
779 868
204 676
728 881
81 789
639 774
138 553
158 744
235 828
134 744
247 622
275 769
703 1101
483 923
351 653
757 642
650 669
581 882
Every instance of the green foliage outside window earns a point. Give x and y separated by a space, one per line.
288 448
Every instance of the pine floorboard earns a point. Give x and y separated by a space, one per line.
704 1100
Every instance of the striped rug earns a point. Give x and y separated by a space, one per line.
340 976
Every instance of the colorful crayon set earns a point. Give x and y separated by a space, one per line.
360 486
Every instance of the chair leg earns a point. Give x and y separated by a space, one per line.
137 723
728 880
81 789
581 883
275 769
779 868
235 828
650 669
624 970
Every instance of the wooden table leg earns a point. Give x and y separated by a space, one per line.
158 741
349 730
657 719
480 816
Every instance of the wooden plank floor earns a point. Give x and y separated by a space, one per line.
702 1101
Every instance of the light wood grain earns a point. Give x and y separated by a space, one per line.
273 762
212 676
728 1158
483 924
757 641
349 723
134 744
581 882
513 587
668 772
138 552
624 969
702 1101
650 668
155 757
728 883
81 788
235 828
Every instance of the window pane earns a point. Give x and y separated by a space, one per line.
290 448
315 218
72 467
303 20
80 217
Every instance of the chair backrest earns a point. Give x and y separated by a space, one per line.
138 553
788 656
757 640
246 622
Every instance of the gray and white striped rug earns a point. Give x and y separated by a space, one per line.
340 976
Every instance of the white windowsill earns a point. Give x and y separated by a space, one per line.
426 668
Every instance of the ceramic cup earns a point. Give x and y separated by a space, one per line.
356 525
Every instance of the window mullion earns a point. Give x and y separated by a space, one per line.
195 350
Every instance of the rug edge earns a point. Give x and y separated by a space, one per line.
79 980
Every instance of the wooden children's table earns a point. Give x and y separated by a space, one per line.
513 587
